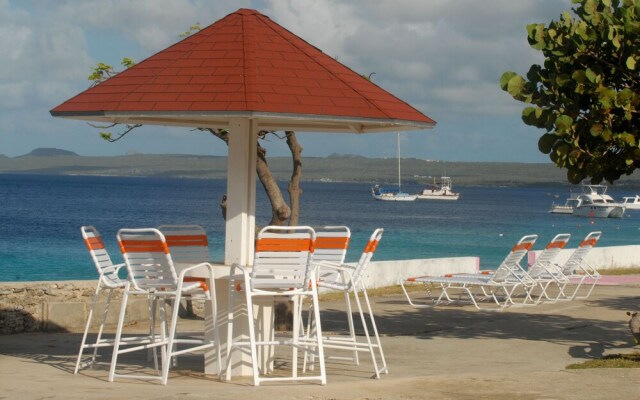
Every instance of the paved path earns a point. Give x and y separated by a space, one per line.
443 353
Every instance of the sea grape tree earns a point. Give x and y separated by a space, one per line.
586 95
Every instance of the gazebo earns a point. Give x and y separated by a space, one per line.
245 74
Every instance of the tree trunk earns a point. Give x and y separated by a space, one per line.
280 211
294 183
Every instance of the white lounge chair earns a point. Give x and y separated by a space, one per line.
543 270
498 286
576 271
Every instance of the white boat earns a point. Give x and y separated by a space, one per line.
439 192
383 194
567 207
594 202
631 202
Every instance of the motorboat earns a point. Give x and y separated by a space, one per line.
384 194
631 202
594 202
567 207
440 191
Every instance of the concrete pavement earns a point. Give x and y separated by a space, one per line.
442 353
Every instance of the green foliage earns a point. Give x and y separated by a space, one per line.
586 95
610 361
192 29
101 72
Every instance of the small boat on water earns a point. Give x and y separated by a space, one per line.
631 202
567 207
594 202
383 194
440 191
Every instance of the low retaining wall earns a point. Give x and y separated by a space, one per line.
388 273
601 257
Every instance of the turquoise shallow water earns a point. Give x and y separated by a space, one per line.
41 215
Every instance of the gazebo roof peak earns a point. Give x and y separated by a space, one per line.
244 66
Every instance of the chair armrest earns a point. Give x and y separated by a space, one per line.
334 266
191 268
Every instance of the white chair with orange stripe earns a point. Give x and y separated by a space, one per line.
349 279
152 274
576 271
281 267
108 279
497 286
188 245
543 269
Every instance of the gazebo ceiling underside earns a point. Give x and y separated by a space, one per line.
262 121
244 66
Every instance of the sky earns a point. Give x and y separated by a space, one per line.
444 57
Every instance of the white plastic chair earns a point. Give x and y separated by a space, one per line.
152 274
497 286
350 280
543 270
188 244
109 280
282 267
576 270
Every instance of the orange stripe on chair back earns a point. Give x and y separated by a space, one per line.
522 246
94 243
187 240
279 244
341 243
371 246
589 242
557 245
143 246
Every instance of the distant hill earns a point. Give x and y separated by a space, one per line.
49 152
337 168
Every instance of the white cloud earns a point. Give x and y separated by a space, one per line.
444 57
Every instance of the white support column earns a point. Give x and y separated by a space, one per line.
241 192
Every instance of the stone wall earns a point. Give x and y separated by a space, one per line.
63 305
24 305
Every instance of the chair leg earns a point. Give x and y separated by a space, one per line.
320 348
252 339
116 343
295 337
166 362
352 330
86 330
230 317
375 331
366 333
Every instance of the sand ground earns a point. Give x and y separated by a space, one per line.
443 353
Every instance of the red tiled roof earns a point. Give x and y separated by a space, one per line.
241 65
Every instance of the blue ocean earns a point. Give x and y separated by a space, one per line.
40 217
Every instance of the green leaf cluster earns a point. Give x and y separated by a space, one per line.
586 94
